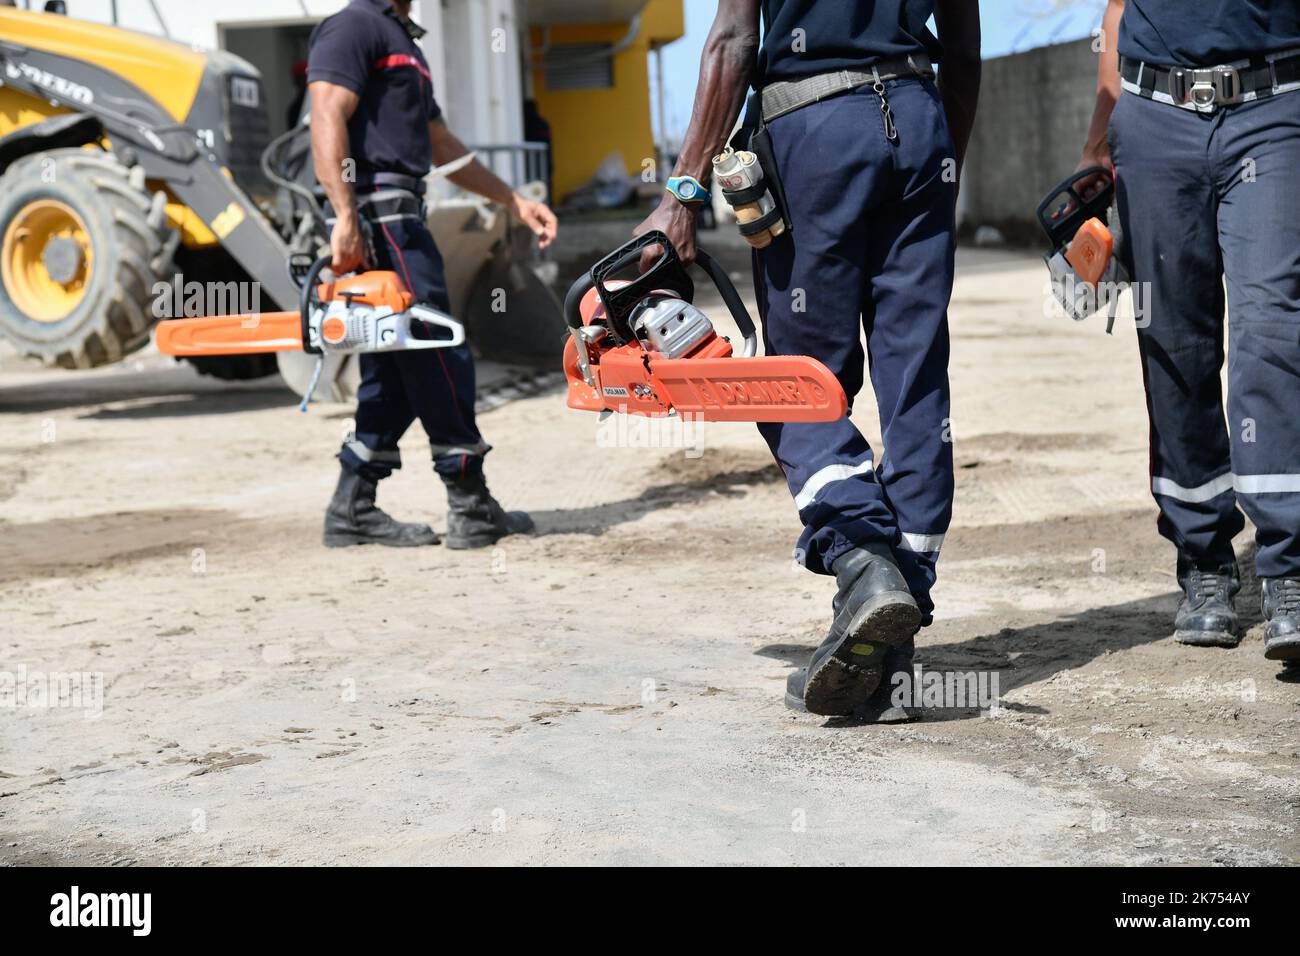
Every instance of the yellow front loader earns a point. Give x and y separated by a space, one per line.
127 160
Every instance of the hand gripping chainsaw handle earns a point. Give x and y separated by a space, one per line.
367 312
1064 209
667 274
1085 259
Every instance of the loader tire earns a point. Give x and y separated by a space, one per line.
82 244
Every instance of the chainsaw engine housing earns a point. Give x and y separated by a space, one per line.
670 326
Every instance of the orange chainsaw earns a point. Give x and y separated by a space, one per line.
367 312
641 347
1086 260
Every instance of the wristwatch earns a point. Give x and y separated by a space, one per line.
688 190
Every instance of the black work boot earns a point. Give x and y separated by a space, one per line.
879 708
1281 600
474 518
354 518
874 611
1206 617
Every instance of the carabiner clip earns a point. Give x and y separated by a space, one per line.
878 87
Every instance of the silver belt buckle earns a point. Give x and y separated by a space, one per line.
1209 88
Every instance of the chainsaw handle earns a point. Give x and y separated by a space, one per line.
309 280
735 305
721 281
573 299
616 261
1062 220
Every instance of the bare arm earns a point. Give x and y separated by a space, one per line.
726 65
1096 150
477 178
958 23
331 108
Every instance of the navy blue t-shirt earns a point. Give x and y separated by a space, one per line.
803 37
1207 32
366 48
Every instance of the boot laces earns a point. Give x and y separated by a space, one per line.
1288 595
1202 584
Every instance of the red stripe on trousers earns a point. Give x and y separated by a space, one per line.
451 385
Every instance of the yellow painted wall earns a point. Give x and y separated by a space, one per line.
588 125
663 20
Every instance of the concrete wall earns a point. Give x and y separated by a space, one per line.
1033 115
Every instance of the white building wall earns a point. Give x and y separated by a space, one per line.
482 90
479 81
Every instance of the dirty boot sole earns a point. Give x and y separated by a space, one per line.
470 541
485 539
348 539
865 713
1194 638
849 675
1283 649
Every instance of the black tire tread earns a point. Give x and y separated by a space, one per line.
121 320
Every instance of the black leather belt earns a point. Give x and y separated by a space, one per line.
1205 89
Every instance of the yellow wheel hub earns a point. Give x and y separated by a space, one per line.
46 260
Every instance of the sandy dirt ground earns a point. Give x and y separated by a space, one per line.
609 690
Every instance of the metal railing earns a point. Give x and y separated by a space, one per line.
516 163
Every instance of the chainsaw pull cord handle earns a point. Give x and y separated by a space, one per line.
735 305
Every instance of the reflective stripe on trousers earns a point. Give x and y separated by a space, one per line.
1201 200
871 249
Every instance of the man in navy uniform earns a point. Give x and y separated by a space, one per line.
1199 112
868 149
376 130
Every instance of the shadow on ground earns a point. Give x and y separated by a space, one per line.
66 547
200 403
1035 653
159 393
597 519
